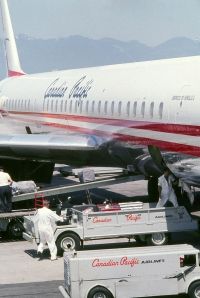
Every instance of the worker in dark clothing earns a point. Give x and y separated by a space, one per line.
5 191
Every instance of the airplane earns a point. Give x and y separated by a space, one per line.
141 114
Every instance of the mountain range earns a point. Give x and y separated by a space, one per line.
39 55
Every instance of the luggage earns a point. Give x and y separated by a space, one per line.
22 187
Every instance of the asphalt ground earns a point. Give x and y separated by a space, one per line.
23 275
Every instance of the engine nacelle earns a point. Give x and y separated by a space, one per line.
146 165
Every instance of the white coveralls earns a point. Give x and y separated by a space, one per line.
167 191
45 220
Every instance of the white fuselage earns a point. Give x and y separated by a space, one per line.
155 102
134 105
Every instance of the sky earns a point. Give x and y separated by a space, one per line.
148 21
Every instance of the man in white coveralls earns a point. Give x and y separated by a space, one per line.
165 189
45 220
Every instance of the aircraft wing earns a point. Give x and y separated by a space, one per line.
44 147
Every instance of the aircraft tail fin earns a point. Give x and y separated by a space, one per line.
12 58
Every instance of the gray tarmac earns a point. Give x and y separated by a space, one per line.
23 275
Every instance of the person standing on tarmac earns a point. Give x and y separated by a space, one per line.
45 220
165 189
5 191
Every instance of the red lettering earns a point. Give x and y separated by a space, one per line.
99 219
110 263
125 261
133 217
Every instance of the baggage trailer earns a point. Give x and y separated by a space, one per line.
132 272
11 223
151 225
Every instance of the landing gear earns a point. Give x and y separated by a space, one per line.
153 189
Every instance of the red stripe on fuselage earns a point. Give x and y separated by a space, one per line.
189 130
163 145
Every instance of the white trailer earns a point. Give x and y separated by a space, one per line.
132 272
153 225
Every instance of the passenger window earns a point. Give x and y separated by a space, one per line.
52 105
61 106
47 105
161 110
128 108
143 109
119 108
112 107
56 106
44 104
22 103
105 107
93 106
81 106
66 106
87 106
99 107
151 109
135 109
70 106
76 106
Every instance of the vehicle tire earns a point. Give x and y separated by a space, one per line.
99 292
140 239
15 229
4 235
67 239
194 290
157 239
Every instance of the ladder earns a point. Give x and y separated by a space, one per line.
38 200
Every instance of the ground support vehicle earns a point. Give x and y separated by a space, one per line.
152 225
11 223
16 225
132 272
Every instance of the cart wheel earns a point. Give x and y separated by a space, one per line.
99 292
194 290
4 235
68 241
15 229
157 239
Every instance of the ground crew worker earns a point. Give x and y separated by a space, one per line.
5 191
165 189
45 220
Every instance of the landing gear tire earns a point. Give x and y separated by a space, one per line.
157 239
194 290
68 241
99 292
